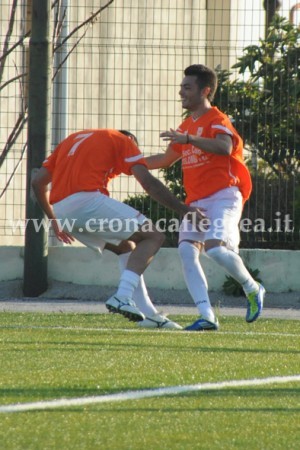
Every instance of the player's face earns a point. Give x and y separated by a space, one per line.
190 93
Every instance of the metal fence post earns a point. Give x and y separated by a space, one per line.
36 246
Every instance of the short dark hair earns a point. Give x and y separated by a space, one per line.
206 77
131 135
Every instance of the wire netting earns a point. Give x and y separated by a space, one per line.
119 64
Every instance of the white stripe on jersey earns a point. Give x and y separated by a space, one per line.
231 174
221 127
133 158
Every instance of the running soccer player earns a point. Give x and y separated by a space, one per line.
217 181
79 171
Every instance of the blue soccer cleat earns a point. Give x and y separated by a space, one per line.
203 325
255 304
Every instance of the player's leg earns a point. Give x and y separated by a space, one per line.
147 240
153 319
190 246
221 245
140 295
136 263
98 219
234 266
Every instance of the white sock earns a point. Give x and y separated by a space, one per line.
140 295
128 283
195 279
234 266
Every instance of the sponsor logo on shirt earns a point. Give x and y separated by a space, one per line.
193 156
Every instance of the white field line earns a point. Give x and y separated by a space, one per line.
147 393
140 330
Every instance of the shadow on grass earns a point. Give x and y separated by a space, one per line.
35 346
237 410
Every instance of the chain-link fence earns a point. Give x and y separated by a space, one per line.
118 64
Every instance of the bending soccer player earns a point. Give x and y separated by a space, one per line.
216 180
79 171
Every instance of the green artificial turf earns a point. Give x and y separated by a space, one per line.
54 356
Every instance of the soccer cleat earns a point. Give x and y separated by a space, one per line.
255 304
203 325
126 307
159 321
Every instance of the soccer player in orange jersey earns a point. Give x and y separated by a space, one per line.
217 181
79 171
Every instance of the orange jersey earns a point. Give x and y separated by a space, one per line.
205 173
88 160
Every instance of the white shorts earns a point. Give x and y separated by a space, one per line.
94 219
223 209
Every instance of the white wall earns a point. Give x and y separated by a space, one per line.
279 269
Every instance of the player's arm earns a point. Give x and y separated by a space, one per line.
161 194
162 160
40 187
220 145
39 184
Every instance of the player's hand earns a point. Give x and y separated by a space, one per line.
62 236
174 136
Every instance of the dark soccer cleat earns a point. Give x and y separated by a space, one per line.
126 307
159 321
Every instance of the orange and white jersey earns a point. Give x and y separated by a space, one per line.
88 160
205 173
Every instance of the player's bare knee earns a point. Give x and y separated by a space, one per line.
187 242
126 246
155 236
211 243
123 247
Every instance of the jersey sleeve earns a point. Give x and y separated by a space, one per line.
177 148
221 126
131 157
50 161
224 126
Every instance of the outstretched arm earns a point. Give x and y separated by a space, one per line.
40 186
161 194
162 160
220 145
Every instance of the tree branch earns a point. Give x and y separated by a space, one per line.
68 54
22 119
86 22
14 171
11 80
26 35
7 37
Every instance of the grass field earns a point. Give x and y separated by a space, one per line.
74 356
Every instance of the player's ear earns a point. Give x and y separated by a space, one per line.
134 139
206 91
130 135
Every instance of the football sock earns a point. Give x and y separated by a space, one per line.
234 266
140 295
195 279
249 287
128 283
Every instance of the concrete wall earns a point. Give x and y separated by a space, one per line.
279 269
